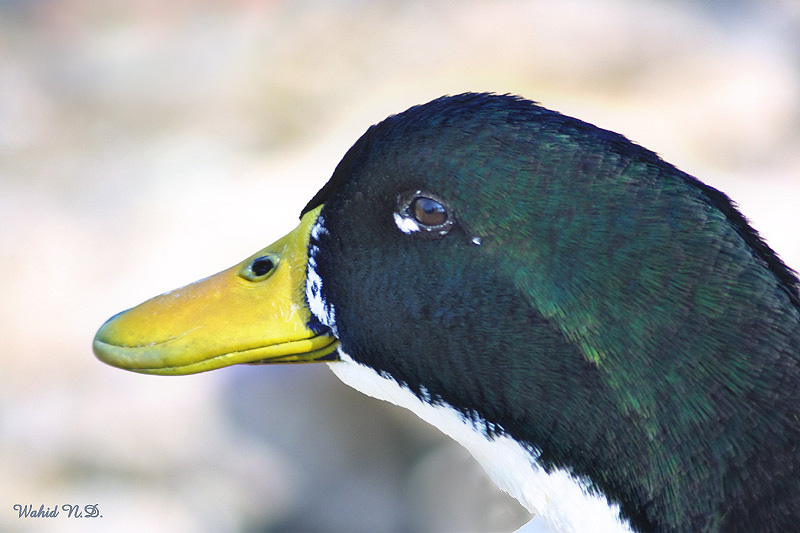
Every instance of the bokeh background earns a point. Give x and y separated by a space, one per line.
145 144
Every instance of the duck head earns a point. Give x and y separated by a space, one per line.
547 283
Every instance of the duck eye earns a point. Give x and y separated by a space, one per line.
423 213
428 211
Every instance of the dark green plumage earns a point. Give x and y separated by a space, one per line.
592 301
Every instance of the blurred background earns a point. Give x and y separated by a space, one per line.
146 144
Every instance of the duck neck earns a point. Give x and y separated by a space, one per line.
558 501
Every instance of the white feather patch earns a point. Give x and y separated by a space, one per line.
324 312
560 502
405 224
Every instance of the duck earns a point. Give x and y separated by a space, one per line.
607 335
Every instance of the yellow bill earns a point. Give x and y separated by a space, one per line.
254 312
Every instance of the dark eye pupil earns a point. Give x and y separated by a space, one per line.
429 212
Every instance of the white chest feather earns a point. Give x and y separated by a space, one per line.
560 502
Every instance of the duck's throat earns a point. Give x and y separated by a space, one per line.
559 501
